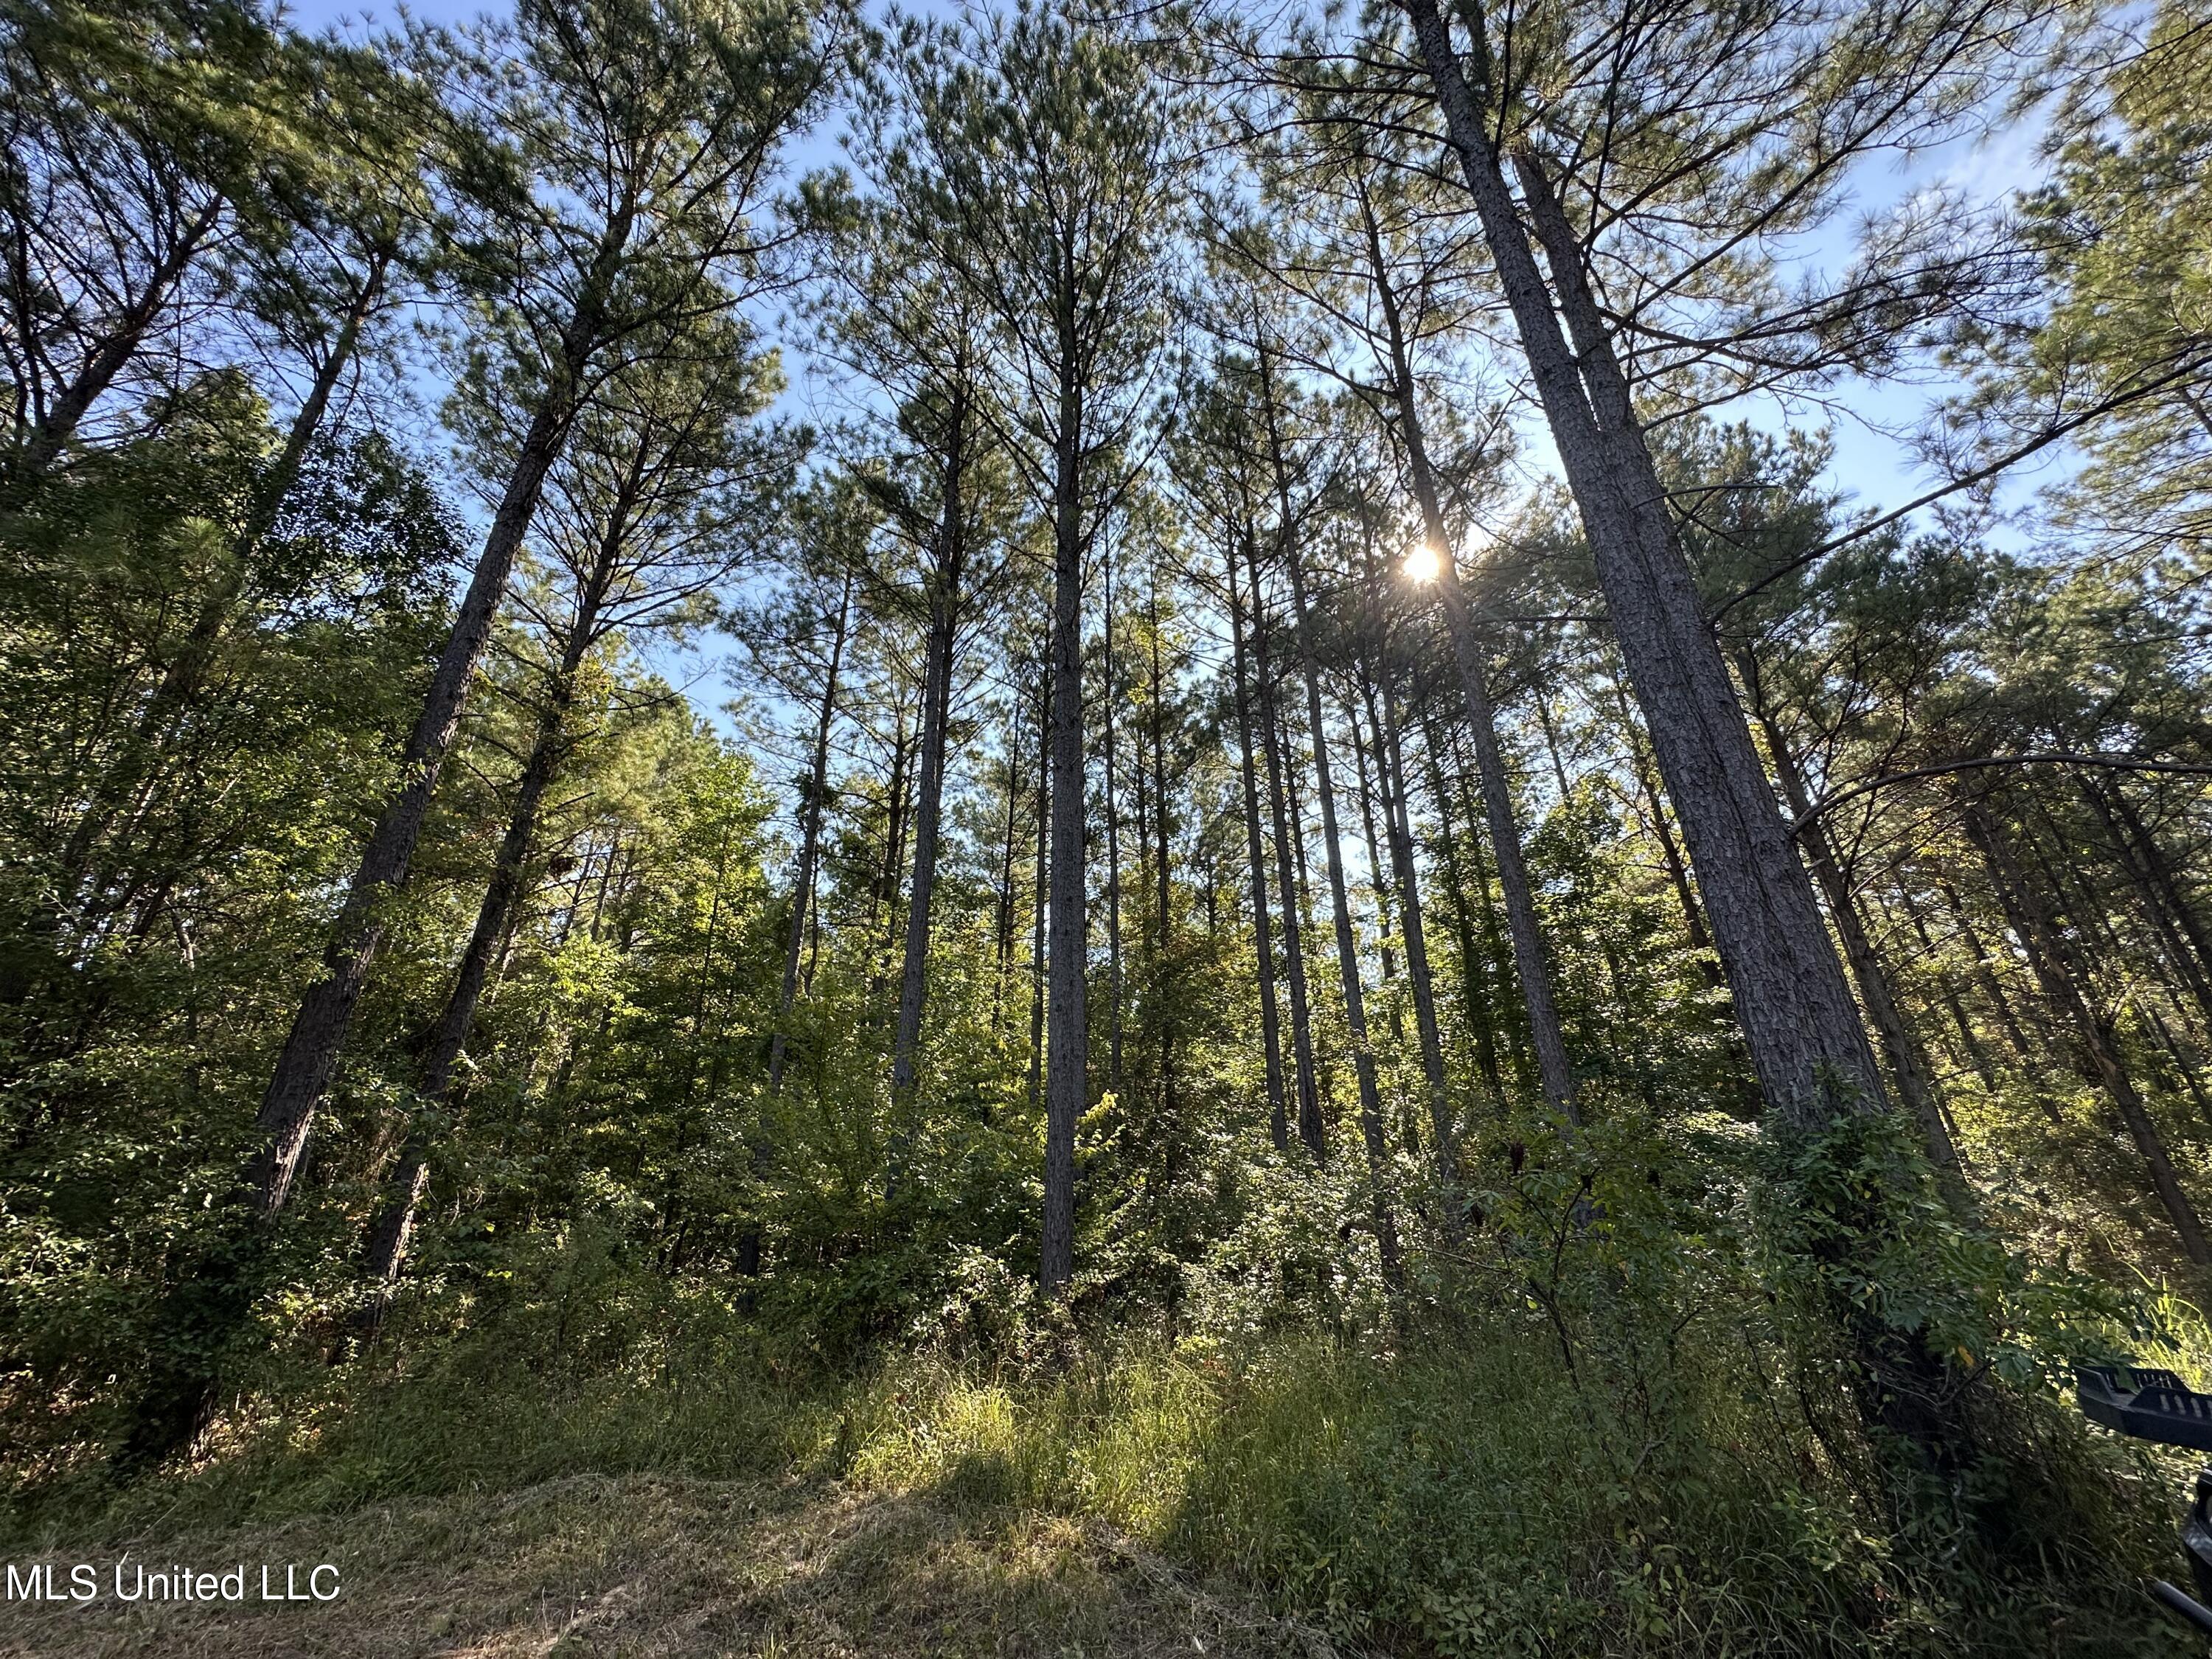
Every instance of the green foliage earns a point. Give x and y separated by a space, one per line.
1467 1375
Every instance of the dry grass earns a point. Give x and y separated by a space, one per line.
655 1566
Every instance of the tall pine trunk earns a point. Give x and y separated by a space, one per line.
1067 1038
1278 1129
936 718
1791 994
1348 949
1113 849
810 842
1908 1065
1286 881
1815 1068
1391 756
2062 976
1040 905
1553 1072
310 1053
1162 878
393 1227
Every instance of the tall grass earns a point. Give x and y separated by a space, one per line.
1455 1496
1461 1502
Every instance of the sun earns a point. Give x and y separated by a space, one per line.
1423 564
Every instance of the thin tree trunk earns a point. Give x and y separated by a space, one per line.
1376 879
1113 853
937 718
897 797
310 1053
1040 906
1541 704
2059 975
2185 1069
1004 931
1162 879
1554 1073
2163 877
1678 874
1985 977
1347 948
1477 1007
2159 899
181 680
810 842
58 424
1976 1053
393 1227
1390 755
1068 1039
1270 1018
1908 1066
1287 885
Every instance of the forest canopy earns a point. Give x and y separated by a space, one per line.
1415 795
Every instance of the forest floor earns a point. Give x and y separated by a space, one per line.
650 1566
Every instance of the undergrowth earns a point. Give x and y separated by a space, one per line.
1449 1498
1592 1439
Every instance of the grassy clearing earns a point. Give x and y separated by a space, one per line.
1456 1500
1460 1504
646 1565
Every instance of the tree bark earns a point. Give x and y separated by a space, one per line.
1554 1073
1286 884
936 718
1068 1039
1908 1065
1803 1028
2060 975
1270 1017
59 422
393 1228
810 842
310 1053
1795 1007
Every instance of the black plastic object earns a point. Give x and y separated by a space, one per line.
2197 1535
2185 1606
2147 1404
